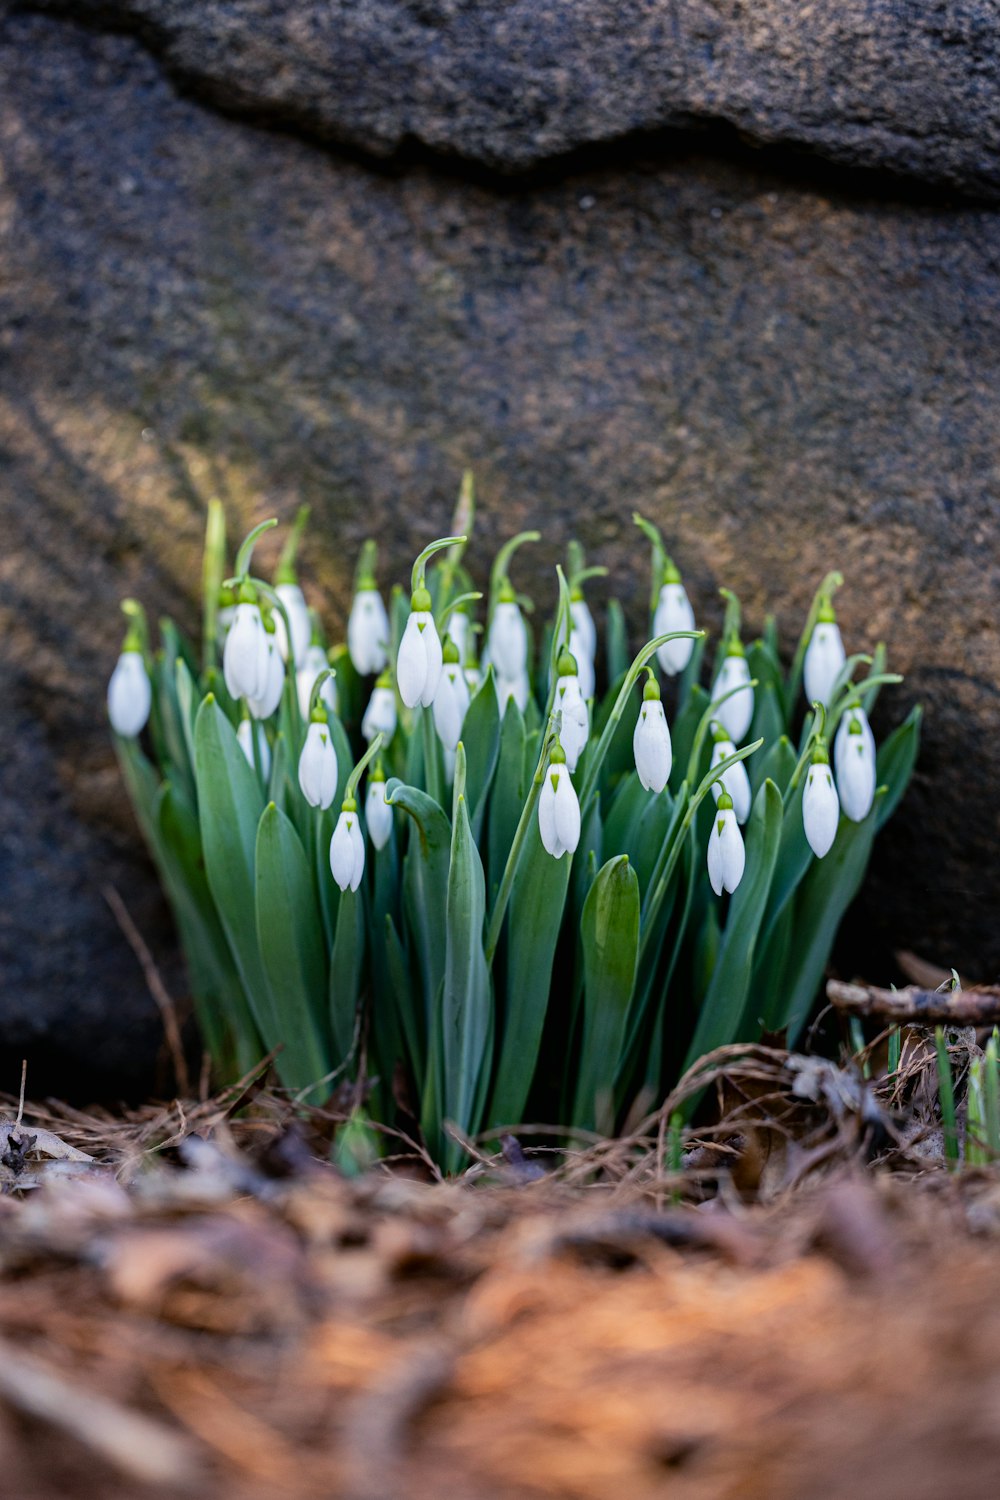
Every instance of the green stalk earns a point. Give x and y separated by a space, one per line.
706 719
243 556
431 777
658 560
420 564
355 776
520 834
828 587
991 1097
212 569
501 562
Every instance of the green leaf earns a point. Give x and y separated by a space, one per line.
510 788
609 931
346 965
291 948
683 731
425 884
689 679
768 725
481 739
616 641
894 763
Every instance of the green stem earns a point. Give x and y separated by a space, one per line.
212 569
431 778
243 556
450 609
706 719
827 588
501 562
355 776
658 560
520 834
420 565
816 732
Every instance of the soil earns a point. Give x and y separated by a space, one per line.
194 1301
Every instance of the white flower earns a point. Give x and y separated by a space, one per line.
244 735
558 808
264 706
130 695
380 715
820 806
378 813
418 666
583 645
451 702
318 765
368 633
297 611
673 612
315 662
458 629
854 760
735 781
473 678
651 745
518 688
245 662
574 730
735 714
726 855
824 660
347 849
508 640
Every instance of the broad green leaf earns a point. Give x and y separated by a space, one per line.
766 668
291 949
682 733
690 677
425 883
768 725
510 788
346 967
610 935
894 762
481 739
616 642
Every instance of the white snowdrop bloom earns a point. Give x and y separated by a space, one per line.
318 764
820 805
584 629
244 735
380 715
245 663
735 714
347 848
854 760
418 666
314 662
264 706
130 695
518 688
378 813
574 729
451 701
673 612
651 745
458 629
508 637
368 633
558 808
585 666
473 677
824 658
726 855
297 611
225 615
735 781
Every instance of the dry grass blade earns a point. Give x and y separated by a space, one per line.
914 1006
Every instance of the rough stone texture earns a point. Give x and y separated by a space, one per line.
786 379
914 88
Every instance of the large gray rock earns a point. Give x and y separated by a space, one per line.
786 379
511 83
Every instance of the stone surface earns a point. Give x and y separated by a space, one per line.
512 83
786 378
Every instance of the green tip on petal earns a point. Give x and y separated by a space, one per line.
506 593
670 571
825 614
566 665
420 601
725 803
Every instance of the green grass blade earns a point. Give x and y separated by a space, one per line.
609 932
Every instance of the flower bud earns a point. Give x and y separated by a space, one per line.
736 713
418 666
574 728
380 714
820 804
451 701
651 740
244 735
726 854
130 695
318 763
673 612
314 663
854 761
264 706
824 657
583 644
518 688
378 813
508 637
735 781
347 848
297 611
558 807
245 663
368 632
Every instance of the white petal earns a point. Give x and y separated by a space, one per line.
575 728
735 781
856 779
244 657
584 630
450 703
823 661
567 813
726 854
130 695
435 661
264 706
243 735
411 664
357 850
342 850
380 715
297 610
508 641
547 815
368 633
673 612
820 810
458 629
318 767
844 736
313 664
651 746
736 713
517 688
378 814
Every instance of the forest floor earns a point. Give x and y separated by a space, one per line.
195 1302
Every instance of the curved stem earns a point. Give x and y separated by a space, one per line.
243 556
502 561
520 834
705 721
355 776
449 609
420 564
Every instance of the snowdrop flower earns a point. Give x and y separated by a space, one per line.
574 728
735 714
245 663
735 781
583 642
264 706
418 666
473 676
824 657
130 695
458 628
558 807
368 631
451 701
347 847
854 760
820 804
726 855
297 610
508 636
380 715
225 614
318 762
673 612
315 662
244 735
518 688
378 812
651 740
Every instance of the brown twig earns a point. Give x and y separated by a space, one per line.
161 995
976 1007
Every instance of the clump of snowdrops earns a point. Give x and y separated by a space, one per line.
532 880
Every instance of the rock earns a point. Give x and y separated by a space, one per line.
787 378
510 84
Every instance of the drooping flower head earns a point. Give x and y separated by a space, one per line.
558 807
347 847
264 706
570 701
245 656
651 745
418 666
820 803
378 812
451 701
318 768
735 780
854 762
380 716
130 694
673 612
368 630
824 656
726 854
